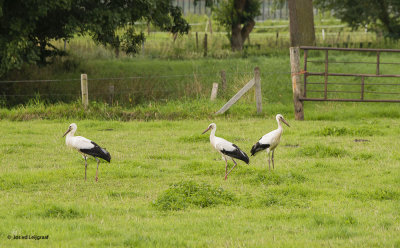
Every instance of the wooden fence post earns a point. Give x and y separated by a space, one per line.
296 86
111 92
197 42
257 86
214 91
223 81
84 88
205 45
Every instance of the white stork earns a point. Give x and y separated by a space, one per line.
86 147
270 141
226 148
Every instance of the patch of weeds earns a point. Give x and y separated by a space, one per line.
122 194
288 197
271 200
202 168
384 194
342 131
60 212
363 156
332 131
167 157
378 194
320 165
324 220
194 138
337 232
295 178
348 220
322 151
267 178
273 178
190 194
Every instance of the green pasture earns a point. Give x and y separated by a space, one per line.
335 184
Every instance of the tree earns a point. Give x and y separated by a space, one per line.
238 18
380 15
301 17
27 27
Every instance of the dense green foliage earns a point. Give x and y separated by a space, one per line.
383 16
28 27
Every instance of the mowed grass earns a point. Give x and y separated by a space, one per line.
335 183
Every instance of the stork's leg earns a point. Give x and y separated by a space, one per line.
273 166
85 165
97 171
269 160
226 168
226 176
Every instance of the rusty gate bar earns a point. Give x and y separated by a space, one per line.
350 49
349 74
377 63
305 74
326 75
352 62
347 100
362 88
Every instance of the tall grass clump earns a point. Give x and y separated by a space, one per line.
190 194
322 151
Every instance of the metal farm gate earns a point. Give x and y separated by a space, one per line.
350 81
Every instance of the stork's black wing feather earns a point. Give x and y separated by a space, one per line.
237 153
98 152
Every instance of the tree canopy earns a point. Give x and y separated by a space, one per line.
27 27
379 15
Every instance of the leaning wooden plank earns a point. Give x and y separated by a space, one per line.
236 97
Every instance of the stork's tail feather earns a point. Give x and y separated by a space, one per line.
106 155
237 153
258 147
246 158
243 156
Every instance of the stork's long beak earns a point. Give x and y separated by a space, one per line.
206 130
284 121
69 130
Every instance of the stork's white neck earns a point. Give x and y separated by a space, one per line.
212 136
279 124
70 134
213 132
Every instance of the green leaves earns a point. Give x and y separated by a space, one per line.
27 27
380 16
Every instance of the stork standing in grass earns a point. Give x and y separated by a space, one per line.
270 141
226 148
86 147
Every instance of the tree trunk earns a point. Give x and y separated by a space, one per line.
301 17
246 30
236 39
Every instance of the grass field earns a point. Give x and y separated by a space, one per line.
165 188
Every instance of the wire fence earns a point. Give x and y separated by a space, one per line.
131 90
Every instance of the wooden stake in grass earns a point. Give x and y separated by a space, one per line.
257 86
295 69
205 45
197 41
214 92
223 81
111 92
85 92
